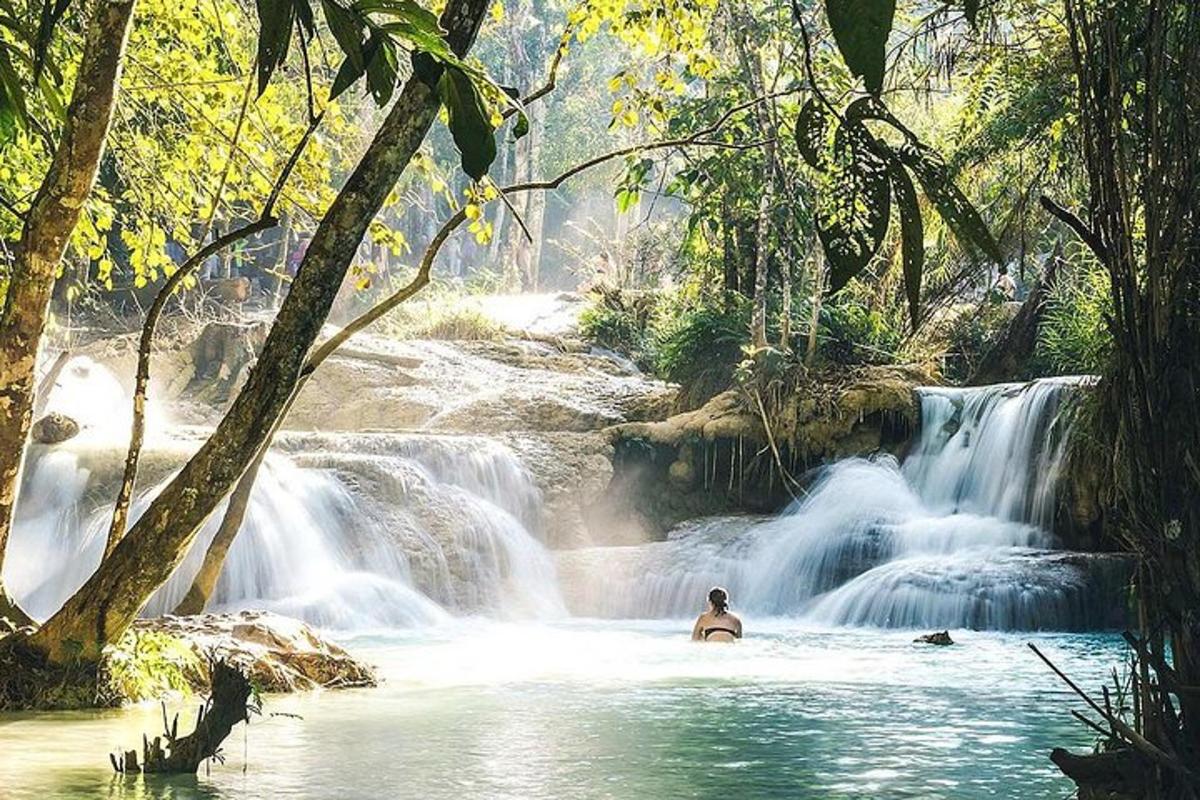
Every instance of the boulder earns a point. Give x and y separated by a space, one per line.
279 654
54 428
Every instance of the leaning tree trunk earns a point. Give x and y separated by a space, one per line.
48 227
110 600
205 582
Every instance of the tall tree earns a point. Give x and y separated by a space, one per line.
1137 69
44 236
110 600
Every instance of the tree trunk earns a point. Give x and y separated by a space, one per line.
526 54
205 582
751 64
48 227
110 600
816 283
729 250
1137 76
530 249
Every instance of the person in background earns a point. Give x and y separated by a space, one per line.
717 624
1005 287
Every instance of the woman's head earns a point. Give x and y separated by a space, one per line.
719 599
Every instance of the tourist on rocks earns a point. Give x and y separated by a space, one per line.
717 624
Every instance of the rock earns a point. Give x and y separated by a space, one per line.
278 653
221 356
54 428
941 638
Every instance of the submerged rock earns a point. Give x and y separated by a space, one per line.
941 638
278 653
54 428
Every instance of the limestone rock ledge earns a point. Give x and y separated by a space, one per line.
171 656
720 458
279 654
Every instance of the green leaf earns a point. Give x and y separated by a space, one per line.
382 67
409 10
912 236
951 204
521 126
12 97
304 15
347 29
853 220
275 18
470 122
971 8
861 29
812 131
935 179
423 40
347 76
415 24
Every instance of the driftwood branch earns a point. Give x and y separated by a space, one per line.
227 705
1128 734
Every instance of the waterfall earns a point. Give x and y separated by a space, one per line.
958 536
345 531
994 450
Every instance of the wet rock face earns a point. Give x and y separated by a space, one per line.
279 654
54 428
719 458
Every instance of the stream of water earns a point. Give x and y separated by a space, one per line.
512 671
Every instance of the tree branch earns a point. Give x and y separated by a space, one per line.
700 137
267 219
1089 237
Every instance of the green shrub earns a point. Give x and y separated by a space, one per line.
699 347
1073 337
852 333
146 665
613 328
621 320
969 335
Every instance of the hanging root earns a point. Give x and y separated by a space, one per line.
228 705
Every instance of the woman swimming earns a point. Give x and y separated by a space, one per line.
716 624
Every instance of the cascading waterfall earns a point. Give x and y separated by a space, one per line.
957 537
993 450
343 530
